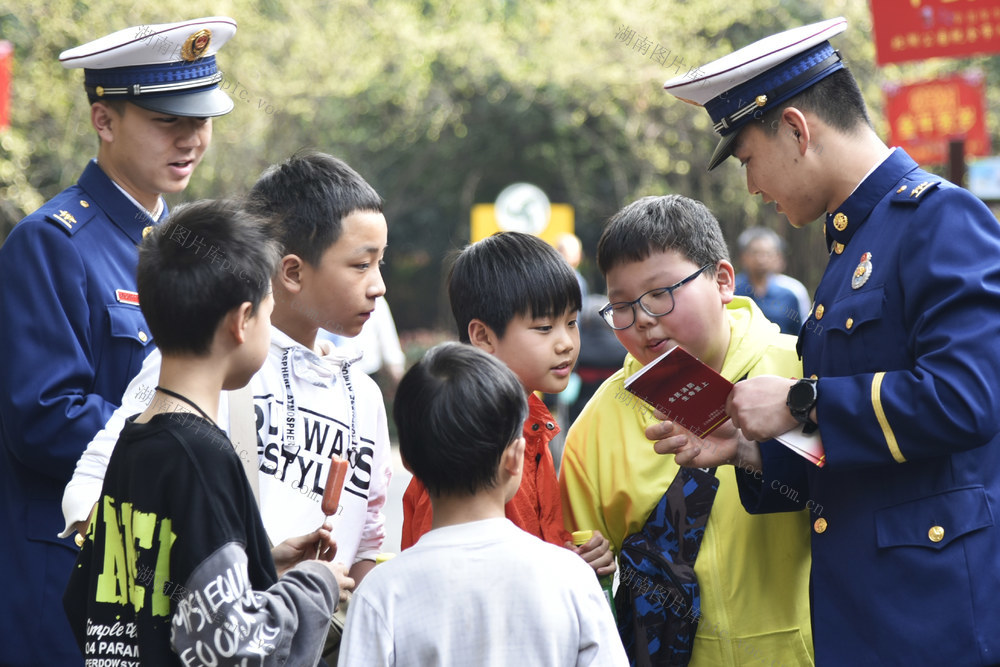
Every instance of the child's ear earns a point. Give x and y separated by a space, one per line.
512 460
290 272
482 336
725 279
237 321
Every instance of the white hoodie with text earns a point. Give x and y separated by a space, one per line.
330 407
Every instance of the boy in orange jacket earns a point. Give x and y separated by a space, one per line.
514 297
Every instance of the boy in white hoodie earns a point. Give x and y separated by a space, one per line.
309 403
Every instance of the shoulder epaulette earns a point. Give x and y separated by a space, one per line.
70 214
913 192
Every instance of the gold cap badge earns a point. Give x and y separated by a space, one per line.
196 44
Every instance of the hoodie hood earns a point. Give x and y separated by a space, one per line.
319 370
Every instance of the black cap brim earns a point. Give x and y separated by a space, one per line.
202 104
723 150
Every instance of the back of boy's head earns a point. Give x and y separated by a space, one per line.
206 259
509 274
456 412
307 197
657 224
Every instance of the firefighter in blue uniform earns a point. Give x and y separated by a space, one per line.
901 362
73 335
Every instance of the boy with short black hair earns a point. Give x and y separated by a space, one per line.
500 596
514 297
177 557
308 402
670 283
333 234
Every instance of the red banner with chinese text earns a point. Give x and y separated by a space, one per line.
925 116
918 29
6 69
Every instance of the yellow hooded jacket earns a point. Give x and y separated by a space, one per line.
753 570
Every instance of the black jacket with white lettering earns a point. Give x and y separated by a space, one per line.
177 567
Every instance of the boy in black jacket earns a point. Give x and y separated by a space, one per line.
177 567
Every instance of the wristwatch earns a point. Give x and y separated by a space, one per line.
801 400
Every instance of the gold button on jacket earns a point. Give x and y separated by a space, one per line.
820 525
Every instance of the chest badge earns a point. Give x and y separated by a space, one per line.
127 296
863 272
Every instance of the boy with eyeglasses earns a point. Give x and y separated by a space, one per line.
670 283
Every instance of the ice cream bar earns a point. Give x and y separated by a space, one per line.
334 484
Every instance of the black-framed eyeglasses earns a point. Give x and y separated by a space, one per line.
656 303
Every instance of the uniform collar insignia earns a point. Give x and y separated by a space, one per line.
844 222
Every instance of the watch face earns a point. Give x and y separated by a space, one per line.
802 396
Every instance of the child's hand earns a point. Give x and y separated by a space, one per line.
719 448
294 550
597 554
344 582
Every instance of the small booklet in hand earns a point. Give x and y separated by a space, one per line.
685 389
692 394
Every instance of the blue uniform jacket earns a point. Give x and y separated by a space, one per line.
905 340
71 338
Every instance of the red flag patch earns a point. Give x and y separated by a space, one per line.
125 296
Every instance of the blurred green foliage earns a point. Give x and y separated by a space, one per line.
442 103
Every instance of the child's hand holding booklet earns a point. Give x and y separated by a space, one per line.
693 395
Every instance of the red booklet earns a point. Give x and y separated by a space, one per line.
693 395
685 389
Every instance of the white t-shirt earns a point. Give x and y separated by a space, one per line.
293 470
481 593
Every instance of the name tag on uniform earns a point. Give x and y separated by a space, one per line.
125 296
